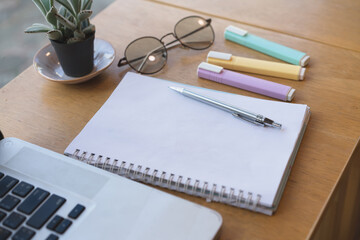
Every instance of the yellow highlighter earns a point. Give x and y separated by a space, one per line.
274 69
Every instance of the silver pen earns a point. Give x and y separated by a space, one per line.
257 119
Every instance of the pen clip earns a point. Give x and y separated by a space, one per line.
248 120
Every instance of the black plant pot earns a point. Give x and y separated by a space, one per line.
76 59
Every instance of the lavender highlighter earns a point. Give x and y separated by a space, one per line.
242 81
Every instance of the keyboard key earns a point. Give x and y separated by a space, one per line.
77 210
4 233
2 216
23 189
14 220
43 214
1 175
6 184
9 202
63 226
33 201
54 222
24 233
52 237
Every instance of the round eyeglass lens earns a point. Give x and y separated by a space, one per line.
146 55
194 32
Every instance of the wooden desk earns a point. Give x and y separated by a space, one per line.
334 23
322 194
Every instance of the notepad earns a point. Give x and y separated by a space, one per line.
149 133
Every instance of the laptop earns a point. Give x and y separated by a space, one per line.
46 195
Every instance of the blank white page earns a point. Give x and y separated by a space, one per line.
146 123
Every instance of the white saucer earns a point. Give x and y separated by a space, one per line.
47 63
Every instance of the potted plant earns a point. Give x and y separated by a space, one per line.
69 32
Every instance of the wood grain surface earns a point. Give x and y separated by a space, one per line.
343 203
51 114
335 22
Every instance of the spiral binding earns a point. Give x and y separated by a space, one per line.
189 186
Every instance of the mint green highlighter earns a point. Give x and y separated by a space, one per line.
273 49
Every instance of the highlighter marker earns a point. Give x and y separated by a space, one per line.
252 84
273 49
274 69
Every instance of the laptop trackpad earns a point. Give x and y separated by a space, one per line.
57 172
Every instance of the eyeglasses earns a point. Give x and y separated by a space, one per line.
148 55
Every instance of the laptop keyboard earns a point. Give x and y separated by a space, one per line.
25 208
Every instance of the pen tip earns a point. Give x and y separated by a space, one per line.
277 125
271 123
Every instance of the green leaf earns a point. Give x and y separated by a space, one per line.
72 19
48 4
65 22
55 35
63 12
85 23
76 4
80 35
68 33
84 15
40 6
51 18
37 28
67 5
87 4
73 40
89 29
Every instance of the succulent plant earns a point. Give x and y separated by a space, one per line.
68 24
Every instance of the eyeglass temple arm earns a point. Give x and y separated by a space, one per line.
146 57
123 61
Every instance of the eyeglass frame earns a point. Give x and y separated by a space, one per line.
123 61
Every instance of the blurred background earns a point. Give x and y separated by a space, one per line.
17 49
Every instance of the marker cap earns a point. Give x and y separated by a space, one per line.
302 73
305 60
219 55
